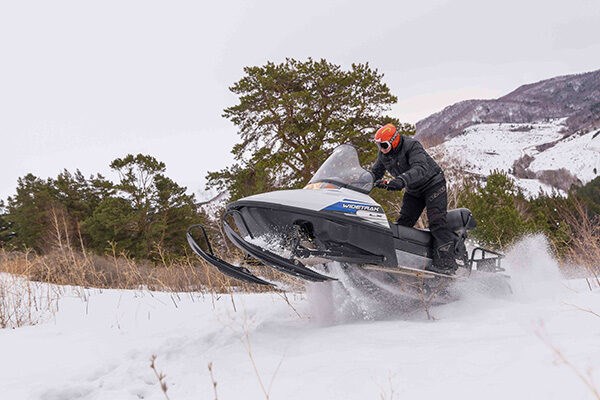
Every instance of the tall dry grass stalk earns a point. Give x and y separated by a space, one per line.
67 266
64 264
68 263
31 283
160 376
586 377
584 249
23 302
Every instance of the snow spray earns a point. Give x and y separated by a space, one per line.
534 275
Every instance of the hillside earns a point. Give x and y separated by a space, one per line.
538 156
573 97
545 134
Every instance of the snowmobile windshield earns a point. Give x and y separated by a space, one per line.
343 169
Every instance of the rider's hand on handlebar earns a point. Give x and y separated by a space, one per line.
381 183
396 184
393 184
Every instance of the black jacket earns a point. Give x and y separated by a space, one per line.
411 163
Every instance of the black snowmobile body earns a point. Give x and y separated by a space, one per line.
334 219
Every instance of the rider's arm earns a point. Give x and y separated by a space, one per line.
378 169
420 170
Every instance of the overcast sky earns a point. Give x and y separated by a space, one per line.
84 82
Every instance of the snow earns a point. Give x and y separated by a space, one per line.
483 148
97 344
583 152
488 147
532 187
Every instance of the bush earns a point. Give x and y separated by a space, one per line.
590 195
498 207
561 178
549 215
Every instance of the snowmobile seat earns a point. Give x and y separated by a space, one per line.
421 237
460 220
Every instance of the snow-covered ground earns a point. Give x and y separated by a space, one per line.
484 148
98 344
582 153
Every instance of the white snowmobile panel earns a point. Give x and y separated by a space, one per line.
346 201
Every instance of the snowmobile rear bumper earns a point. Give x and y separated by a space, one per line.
485 262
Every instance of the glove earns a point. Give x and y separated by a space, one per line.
381 183
393 184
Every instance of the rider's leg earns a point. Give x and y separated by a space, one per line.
444 258
412 207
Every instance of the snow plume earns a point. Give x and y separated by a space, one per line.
272 242
534 271
338 301
534 276
358 296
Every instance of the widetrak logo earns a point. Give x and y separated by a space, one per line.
353 207
361 207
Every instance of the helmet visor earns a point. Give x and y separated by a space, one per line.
386 144
383 145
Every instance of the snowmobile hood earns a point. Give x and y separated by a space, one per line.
343 201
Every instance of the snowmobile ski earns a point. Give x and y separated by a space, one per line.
290 267
232 271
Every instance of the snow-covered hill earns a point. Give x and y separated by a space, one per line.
573 97
538 149
98 344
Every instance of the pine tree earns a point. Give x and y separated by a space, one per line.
291 115
497 208
547 214
590 195
147 211
28 212
6 232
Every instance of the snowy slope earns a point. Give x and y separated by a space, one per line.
582 154
482 148
576 98
98 346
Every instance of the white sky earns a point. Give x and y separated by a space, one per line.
83 82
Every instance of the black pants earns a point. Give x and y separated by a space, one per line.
435 198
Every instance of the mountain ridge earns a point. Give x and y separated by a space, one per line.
575 97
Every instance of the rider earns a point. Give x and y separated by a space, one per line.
412 168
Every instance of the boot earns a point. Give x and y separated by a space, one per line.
444 261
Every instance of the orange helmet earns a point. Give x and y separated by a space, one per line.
387 138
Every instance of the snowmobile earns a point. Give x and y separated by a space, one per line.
333 218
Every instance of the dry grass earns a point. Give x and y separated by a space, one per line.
65 261
212 380
71 267
117 271
586 377
23 302
161 377
584 249
31 284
